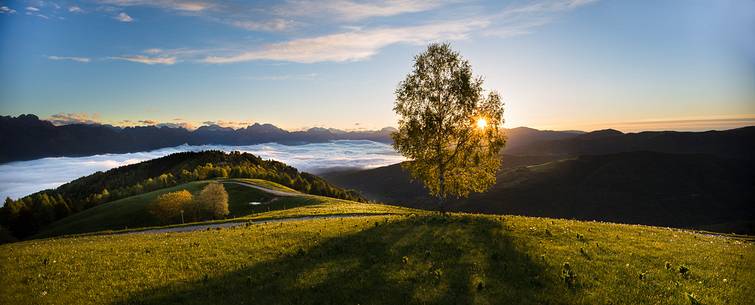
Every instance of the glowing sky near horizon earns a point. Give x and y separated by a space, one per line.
559 64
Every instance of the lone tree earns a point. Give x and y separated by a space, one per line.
213 201
448 127
168 206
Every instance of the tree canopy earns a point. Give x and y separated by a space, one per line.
449 127
213 201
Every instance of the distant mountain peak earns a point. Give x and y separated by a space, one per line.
597 134
214 127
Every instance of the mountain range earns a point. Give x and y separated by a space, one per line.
701 180
26 137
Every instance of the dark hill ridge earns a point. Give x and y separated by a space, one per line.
738 143
523 136
678 190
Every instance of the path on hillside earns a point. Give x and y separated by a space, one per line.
200 227
266 190
252 222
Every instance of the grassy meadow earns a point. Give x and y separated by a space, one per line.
132 212
398 259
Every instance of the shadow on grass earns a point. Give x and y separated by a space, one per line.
420 260
239 198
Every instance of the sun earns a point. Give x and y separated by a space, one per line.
482 123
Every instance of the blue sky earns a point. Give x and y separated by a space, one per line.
559 64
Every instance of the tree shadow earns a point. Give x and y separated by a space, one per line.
418 260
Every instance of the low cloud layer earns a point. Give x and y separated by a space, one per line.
74 118
22 178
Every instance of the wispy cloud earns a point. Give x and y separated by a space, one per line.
274 25
233 124
177 5
701 123
34 11
147 60
339 9
74 118
75 9
71 58
352 10
123 17
352 46
358 43
350 42
184 125
6 10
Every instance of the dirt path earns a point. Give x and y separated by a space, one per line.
241 223
200 227
266 190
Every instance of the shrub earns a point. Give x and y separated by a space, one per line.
168 206
212 201
568 275
683 270
437 273
693 299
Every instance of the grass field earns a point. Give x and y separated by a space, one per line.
457 259
132 212
266 184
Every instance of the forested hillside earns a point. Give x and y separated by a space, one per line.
679 190
27 215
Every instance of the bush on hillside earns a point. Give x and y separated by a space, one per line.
169 206
212 201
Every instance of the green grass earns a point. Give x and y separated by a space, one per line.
266 184
131 214
400 259
124 213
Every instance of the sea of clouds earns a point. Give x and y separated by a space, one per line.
21 178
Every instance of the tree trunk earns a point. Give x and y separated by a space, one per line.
441 188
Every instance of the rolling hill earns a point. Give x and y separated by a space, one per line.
735 143
678 190
132 212
26 216
410 258
299 248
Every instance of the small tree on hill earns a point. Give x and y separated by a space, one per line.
448 128
213 201
168 206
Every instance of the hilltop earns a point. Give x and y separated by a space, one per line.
411 258
27 215
679 190
301 248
